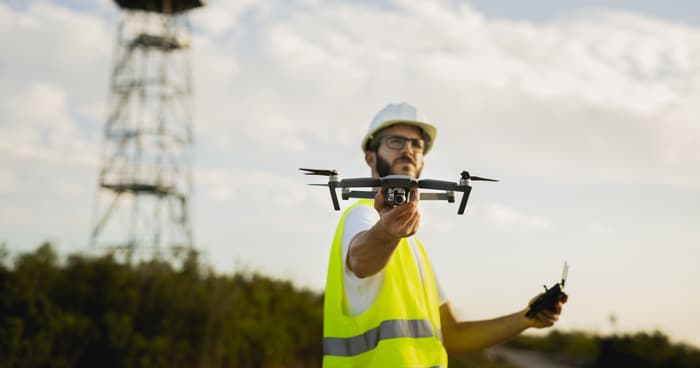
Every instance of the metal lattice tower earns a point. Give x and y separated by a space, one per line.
145 179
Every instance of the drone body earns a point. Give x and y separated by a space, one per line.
397 188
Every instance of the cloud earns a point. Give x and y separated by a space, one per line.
597 97
238 184
39 126
502 216
598 227
585 92
47 84
217 18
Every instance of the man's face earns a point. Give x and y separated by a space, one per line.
388 160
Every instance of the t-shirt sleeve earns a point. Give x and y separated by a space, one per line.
360 292
359 219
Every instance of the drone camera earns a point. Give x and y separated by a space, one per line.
396 196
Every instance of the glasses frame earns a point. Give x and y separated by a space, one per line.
417 144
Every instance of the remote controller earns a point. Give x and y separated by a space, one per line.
551 296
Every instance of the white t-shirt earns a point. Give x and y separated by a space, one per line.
362 292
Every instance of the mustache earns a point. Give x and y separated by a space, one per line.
405 158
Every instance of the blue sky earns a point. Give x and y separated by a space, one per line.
545 10
586 110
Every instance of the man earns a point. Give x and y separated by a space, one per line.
383 306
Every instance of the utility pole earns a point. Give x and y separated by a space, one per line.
145 178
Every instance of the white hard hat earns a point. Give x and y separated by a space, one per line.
395 114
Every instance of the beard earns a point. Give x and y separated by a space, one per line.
384 168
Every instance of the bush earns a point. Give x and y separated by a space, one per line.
96 312
640 350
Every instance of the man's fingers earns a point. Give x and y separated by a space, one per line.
548 314
404 210
415 195
397 214
410 225
407 219
379 204
564 297
402 220
546 318
558 307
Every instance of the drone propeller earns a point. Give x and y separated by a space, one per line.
332 182
322 172
465 175
464 183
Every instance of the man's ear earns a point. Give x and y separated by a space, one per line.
371 158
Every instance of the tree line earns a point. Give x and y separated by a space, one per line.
97 312
639 350
87 311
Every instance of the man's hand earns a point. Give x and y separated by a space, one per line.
371 250
546 317
398 221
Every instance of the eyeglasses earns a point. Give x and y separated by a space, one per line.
398 142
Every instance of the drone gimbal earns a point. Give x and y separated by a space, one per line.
397 188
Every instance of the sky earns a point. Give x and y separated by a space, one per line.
585 110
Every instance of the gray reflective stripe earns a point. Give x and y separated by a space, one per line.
367 341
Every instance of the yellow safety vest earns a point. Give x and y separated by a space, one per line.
400 329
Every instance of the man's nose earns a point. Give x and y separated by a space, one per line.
407 147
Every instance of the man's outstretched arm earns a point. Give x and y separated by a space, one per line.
461 336
371 250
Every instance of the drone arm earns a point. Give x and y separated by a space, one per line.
463 203
358 194
334 195
438 184
445 196
359 183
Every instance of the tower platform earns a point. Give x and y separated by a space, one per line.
160 6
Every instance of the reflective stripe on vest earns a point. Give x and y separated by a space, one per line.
367 341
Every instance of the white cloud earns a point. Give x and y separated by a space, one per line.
503 216
606 94
219 17
567 89
8 182
39 126
47 79
598 227
251 186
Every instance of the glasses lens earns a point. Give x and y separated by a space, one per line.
417 144
397 142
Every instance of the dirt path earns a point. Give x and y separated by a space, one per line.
525 359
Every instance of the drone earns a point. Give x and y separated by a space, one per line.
397 188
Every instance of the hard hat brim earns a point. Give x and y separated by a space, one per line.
429 129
